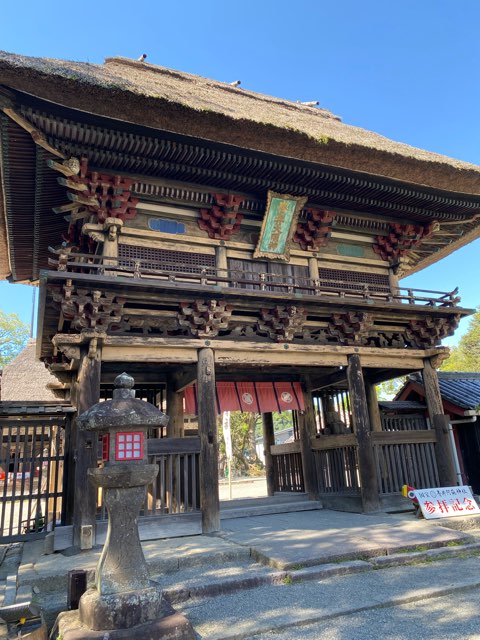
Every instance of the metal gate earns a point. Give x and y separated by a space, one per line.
32 472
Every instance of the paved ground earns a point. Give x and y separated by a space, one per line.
243 488
312 537
294 572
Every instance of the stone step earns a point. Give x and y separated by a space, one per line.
278 498
269 509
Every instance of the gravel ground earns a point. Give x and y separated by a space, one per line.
257 611
447 618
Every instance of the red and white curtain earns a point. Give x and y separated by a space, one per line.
254 397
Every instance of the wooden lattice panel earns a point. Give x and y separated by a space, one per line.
165 259
354 280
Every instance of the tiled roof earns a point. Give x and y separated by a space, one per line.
458 387
401 405
462 389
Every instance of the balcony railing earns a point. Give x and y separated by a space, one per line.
208 276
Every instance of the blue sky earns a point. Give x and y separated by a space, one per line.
408 70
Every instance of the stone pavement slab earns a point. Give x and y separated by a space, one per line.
289 606
287 540
49 572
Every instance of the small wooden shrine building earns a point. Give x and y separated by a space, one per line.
236 249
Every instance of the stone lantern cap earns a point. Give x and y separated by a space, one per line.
123 411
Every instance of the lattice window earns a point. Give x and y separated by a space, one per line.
129 446
164 259
354 280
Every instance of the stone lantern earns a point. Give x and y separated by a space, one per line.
123 598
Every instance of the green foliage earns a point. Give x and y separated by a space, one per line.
13 336
466 356
243 427
388 390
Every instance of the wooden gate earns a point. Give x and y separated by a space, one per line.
32 470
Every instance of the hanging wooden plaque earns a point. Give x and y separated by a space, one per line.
279 224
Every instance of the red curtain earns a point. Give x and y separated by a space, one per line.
254 397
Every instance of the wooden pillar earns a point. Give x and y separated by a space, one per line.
443 449
222 261
87 392
268 441
207 428
393 281
306 425
112 228
175 427
373 408
361 424
313 269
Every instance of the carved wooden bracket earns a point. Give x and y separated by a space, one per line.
316 230
93 193
351 327
86 308
70 347
282 323
204 318
223 220
429 331
401 239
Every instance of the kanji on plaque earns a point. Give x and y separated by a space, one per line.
446 502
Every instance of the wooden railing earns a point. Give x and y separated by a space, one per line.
288 470
233 278
176 487
405 457
401 457
405 422
336 464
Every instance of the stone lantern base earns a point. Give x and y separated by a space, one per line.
173 626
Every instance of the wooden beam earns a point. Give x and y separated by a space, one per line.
306 426
175 427
268 442
184 378
361 424
87 393
440 422
330 380
373 408
207 428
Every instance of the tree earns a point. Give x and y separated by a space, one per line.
466 356
13 336
243 426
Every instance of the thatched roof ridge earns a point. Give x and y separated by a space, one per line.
180 102
26 378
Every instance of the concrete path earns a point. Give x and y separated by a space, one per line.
313 537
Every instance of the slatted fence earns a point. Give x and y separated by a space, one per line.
287 466
336 464
176 487
32 475
406 457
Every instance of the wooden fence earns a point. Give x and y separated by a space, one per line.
405 457
32 475
288 470
336 464
176 487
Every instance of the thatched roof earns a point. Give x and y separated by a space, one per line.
27 379
154 96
